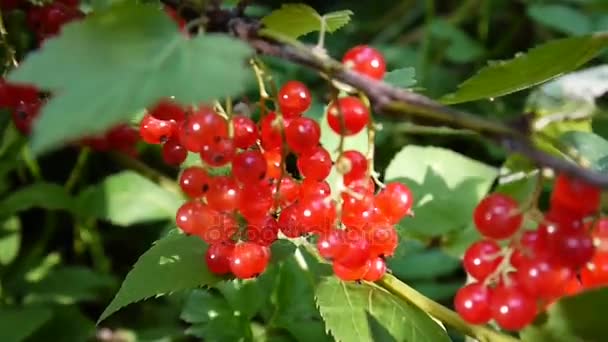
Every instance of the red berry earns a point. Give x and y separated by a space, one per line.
24 115
294 99
289 221
541 279
223 193
263 232
595 273
572 249
355 165
600 235
316 215
194 181
574 195
288 191
357 250
310 188
217 228
186 216
356 207
302 134
481 259
332 244
350 273
255 201
122 136
154 131
512 309
218 257
202 128
166 109
245 131
181 23
218 152
472 302
376 270
348 117
249 260
273 163
271 136
532 246
249 167
365 60
394 201
497 216
174 153
383 240
315 164
196 218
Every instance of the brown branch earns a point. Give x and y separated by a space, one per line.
402 104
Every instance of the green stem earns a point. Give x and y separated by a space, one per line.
146 171
76 172
425 50
481 333
91 237
31 163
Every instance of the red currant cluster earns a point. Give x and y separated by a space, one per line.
242 213
23 102
539 266
46 20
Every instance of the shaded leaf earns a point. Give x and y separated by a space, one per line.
127 198
561 18
203 306
379 333
67 325
38 195
591 147
336 20
402 78
459 47
10 240
526 70
295 20
344 307
16 324
178 258
120 60
423 265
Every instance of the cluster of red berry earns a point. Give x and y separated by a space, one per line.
46 20
355 229
512 284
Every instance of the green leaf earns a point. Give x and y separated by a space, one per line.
16 324
423 265
457 242
38 195
120 60
379 333
295 20
175 262
67 325
591 147
572 319
526 70
459 47
10 240
402 78
67 285
344 307
127 198
203 306
561 18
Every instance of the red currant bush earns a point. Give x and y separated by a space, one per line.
365 60
347 116
294 99
497 216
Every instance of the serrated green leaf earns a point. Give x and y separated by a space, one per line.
572 319
38 195
127 198
295 20
120 60
591 147
175 262
67 285
344 307
402 78
561 18
68 324
423 265
526 70
16 324
379 333
203 306
10 240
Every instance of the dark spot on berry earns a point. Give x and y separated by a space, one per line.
262 175
218 158
22 115
163 139
205 187
217 139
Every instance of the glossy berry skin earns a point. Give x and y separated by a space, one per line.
223 194
316 215
576 196
350 273
541 279
481 259
497 216
270 132
365 60
249 167
376 269
255 201
287 193
187 217
472 302
154 131
249 260
289 222
356 252
310 188
273 163
245 132
571 249
600 235
383 240
532 246
263 232
218 256
354 164
595 273
332 244
218 152
173 153
302 135
24 115
511 308
195 181
349 112
202 128
294 99
167 110
394 201
315 164
217 228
